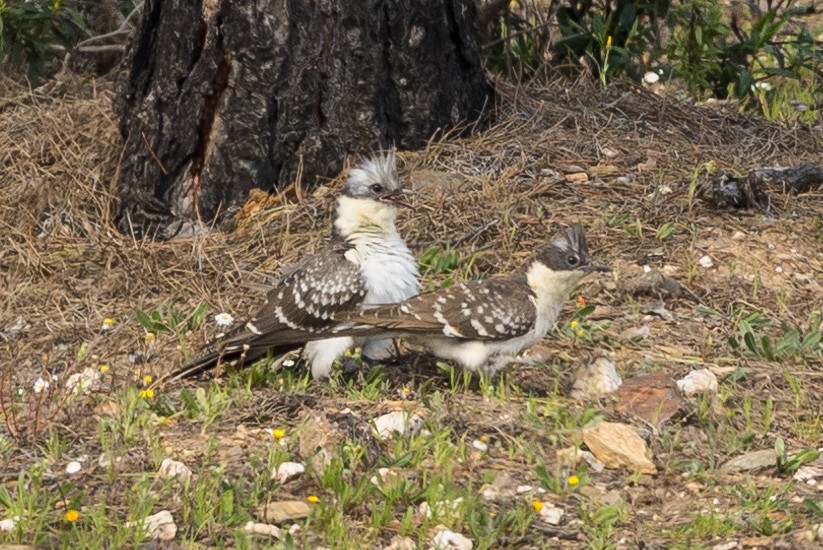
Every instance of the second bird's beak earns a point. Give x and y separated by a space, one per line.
396 197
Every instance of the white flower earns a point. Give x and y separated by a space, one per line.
41 385
651 77
73 467
223 319
761 86
481 446
288 363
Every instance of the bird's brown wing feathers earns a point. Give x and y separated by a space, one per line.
493 309
304 302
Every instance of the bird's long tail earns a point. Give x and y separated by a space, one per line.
230 356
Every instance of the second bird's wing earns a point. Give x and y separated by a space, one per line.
493 309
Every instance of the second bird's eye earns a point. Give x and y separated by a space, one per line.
573 260
376 188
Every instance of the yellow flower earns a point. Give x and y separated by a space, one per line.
513 5
537 505
278 433
150 337
575 325
147 379
313 499
574 480
104 369
147 393
609 41
72 515
581 333
108 322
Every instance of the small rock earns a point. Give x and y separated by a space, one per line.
651 77
401 543
731 545
706 262
73 467
316 441
650 397
283 510
502 488
608 152
159 526
400 422
480 445
739 236
636 333
84 382
8 524
287 471
808 473
698 381
171 468
570 456
604 171
539 352
578 177
384 477
652 283
551 514
446 540
596 379
755 460
618 445
263 529
623 180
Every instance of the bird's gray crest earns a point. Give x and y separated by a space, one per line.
380 170
569 252
573 240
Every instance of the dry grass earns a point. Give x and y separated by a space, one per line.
494 197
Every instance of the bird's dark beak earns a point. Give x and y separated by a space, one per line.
594 265
397 197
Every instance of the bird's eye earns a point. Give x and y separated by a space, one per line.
376 188
573 260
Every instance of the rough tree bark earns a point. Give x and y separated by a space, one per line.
222 96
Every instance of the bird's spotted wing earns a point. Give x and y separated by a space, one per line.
302 305
494 309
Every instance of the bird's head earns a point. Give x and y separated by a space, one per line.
376 179
568 254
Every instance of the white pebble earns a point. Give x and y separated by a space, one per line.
706 262
446 539
287 471
651 77
480 446
171 468
73 467
698 381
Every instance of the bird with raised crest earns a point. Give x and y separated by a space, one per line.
367 262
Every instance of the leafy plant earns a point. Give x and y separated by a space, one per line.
28 29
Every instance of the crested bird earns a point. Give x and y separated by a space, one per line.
483 325
366 262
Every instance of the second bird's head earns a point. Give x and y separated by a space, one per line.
376 180
567 256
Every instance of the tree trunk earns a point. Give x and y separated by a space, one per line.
222 96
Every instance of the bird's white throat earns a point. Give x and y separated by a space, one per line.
364 216
551 289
